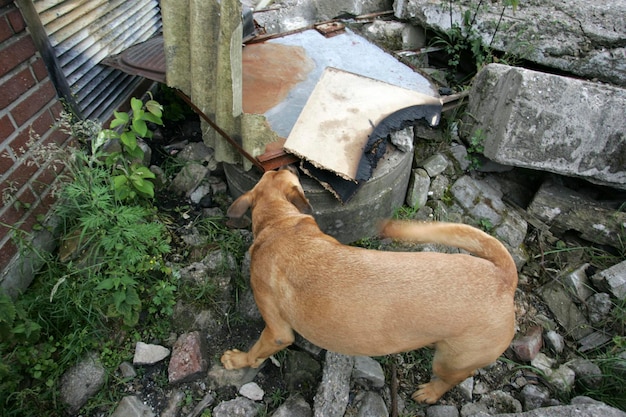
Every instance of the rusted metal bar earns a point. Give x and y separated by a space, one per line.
223 134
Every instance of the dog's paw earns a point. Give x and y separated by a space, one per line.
234 359
428 393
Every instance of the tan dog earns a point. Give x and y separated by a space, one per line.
364 302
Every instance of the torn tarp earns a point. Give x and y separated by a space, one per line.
342 131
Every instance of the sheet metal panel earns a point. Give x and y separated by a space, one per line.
84 32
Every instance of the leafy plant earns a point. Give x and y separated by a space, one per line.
110 267
462 43
476 147
130 177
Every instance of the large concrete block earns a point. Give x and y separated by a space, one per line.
548 122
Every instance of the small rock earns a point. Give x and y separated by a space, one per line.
588 374
301 372
578 282
147 354
220 377
81 382
442 411
612 280
174 404
459 153
403 139
599 306
565 311
466 388
200 193
529 345
294 406
592 341
543 363
372 405
127 370
438 187
188 179
495 402
435 164
368 369
187 361
419 184
252 391
534 396
331 399
554 341
132 406
240 407
562 379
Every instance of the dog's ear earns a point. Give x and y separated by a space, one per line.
240 206
296 197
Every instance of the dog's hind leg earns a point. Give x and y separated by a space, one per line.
272 340
450 367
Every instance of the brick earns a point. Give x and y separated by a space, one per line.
41 183
6 162
40 70
18 144
16 20
21 175
15 86
5 29
33 103
16 53
7 252
6 127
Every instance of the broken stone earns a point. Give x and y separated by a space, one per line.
562 378
547 122
438 187
534 396
368 369
578 282
294 406
495 402
331 399
395 35
588 373
554 341
403 139
240 406
372 405
612 280
564 209
419 184
566 312
187 361
599 306
127 370
466 388
442 411
174 404
218 376
592 341
148 354
81 382
435 165
188 179
529 345
543 363
132 406
252 391
585 38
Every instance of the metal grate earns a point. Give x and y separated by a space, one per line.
78 35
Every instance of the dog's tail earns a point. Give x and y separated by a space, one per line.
458 235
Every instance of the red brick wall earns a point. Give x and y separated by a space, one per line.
28 104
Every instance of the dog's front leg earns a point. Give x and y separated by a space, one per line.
270 342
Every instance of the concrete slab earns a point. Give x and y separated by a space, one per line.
548 122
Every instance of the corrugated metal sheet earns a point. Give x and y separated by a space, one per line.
82 33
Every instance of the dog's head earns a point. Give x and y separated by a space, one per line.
283 184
